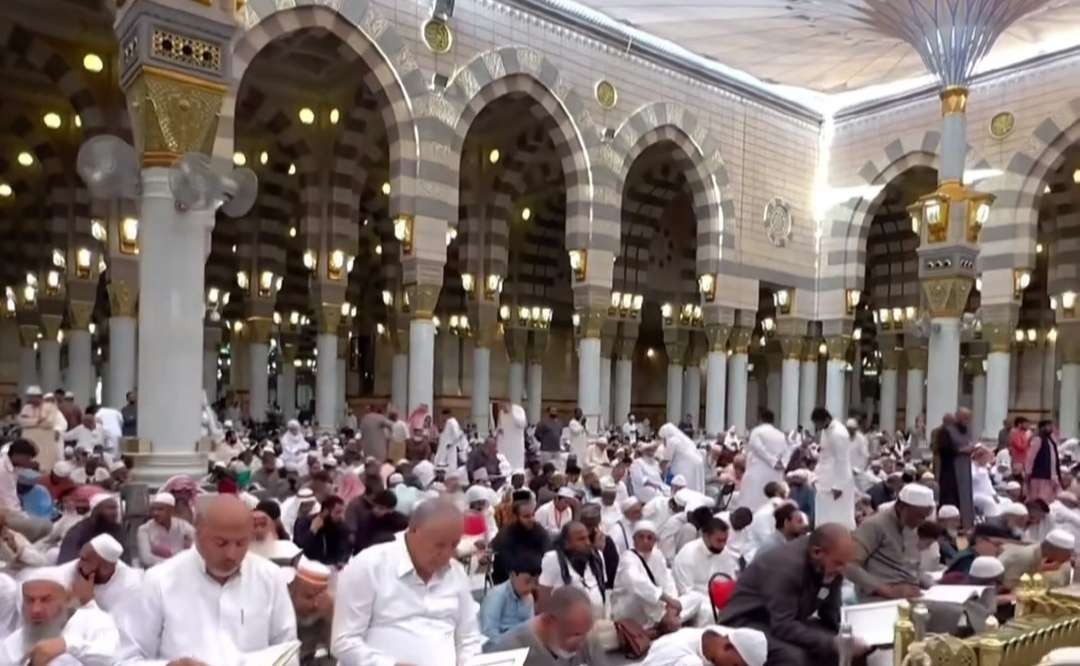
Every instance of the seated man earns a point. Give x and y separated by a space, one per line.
558 512
99 575
886 564
986 540
701 559
510 603
164 535
793 594
557 636
711 646
50 631
409 601
790 524
314 606
645 590
1050 558
574 562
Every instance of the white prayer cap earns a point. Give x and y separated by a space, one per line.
116 466
99 498
283 549
927 476
750 644
228 423
1062 539
914 494
948 511
293 423
566 492
1013 485
607 485
330 461
61 576
518 472
249 500
395 478
313 572
107 547
678 480
986 567
163 498
63 469
692 499
852 423
101 475
33 391
475 494
1014 509
305 493
644 526
68 395
220 465
629 503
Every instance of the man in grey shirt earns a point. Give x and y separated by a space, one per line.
559 636
374 431
886 564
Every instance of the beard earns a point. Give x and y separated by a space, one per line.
35 633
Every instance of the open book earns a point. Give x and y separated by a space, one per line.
504 658
281 654
872 622
952 594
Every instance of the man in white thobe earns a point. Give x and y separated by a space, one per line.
767 455
9 606
165 534
645 591
683 457
577 438
453 446
409 600
662 507
51 633
860 456
553 515
645 475
631 430
701 559
511 435
294 448
213 603
99 575
834 501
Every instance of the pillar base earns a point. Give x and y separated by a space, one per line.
154 469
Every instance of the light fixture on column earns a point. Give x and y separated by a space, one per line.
403 231
1039 248
129 235
524 315
5 190
451 235
98 230
1051 335
1068 303
468 283
380 330
242 279
707 286
782 301
294 318
83 263
29 294
306 115
52 120
667 313
852 298
856 334
494 155
437 323
1021 281
266 283
978 215
768 325
504 312
58 258
335 265
25 158
492 286
239 159
335 116
311 259
575 319
388 298
578 262
52 283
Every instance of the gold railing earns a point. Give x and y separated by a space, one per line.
1044 621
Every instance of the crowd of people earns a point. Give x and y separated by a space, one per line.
419 541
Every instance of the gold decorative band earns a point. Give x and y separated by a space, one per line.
954 100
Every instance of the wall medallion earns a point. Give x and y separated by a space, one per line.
1002 124
438 36
778 221
606 94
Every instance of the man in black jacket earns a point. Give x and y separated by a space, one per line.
782 590
549 433
323 536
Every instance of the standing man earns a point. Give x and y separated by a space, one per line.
767 456
42 425
835 498
453 445
548 434
683 457
374 433
1042 469
955 466
130 413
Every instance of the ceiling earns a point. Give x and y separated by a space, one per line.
834 46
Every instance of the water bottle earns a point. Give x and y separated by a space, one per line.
844 647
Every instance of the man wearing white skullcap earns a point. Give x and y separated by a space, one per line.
645 474
165 534
710 646
886 564
100 576
662 507
986 570
104 518
314 606
50 630
559 511
1050 558
623 531
644 589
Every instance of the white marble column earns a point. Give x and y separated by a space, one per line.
605 391
481 389
943 364
888 399
692 392
50 364
28 372
399 380
835 376
1049 376
737 381
287 389
624 377
122 349
808 384
80 366
342 377
716 377
326 384
421 363
535 390
589 380
258 380
516 381
978 399
916 392
209 374
789 384
674 392
173 246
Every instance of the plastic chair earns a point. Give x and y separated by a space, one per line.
721 587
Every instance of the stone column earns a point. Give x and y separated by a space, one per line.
49 350
28 371
211 340
517 342
675 342
328 318
999 335
974 367
943 364
808 383
1049 375
916 377
258 339
608 337
691 400
423 297
535 389
592 320
624 370
834 378
890 364
485 333
80 353
1069 409
399 372
342 377
792 349
737 387
716 377
122 343
286 393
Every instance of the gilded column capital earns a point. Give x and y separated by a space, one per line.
716 335
791 347
954 100
259 329
974 366
28 334
917 358
122 301
485 334
890 358
328 318
676 352
947 297
740 339
50 325
538 346
999 336
79 314
1068 341
422 299
592 321
811 350
517 342
838 346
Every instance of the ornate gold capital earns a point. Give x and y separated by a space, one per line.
121 299
717 337
592 321
947 297
740 339
50 325
676 352
422 299
172 114
791 347
259 329
954 100
517 343
485 334
811 350
328 316
999 335
890 358
916 358
28 334
79 314
838 346
973 366
538 347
